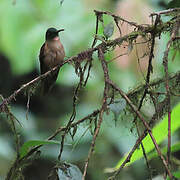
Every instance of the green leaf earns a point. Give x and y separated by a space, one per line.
160 132
174 148
69 172
29 144
108 30
117 107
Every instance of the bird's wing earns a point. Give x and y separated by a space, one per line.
50 79
41 59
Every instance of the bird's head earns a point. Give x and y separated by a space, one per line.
51 33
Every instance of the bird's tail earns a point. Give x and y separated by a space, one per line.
48 82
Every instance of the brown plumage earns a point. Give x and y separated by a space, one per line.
51 54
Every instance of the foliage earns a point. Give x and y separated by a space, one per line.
160 133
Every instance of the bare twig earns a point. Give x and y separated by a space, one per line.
97 25
144 154
168 11
165 63
103 108
113 59
145 124
88 73
118 18
27 105
150 69
128 158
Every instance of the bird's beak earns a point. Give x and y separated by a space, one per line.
60 30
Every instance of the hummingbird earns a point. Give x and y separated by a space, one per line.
51 54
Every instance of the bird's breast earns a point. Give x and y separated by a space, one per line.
54 53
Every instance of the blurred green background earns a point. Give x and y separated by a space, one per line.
22 30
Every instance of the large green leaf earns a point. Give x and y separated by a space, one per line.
174 148
29 144
160 132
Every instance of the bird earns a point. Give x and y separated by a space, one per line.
51 54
